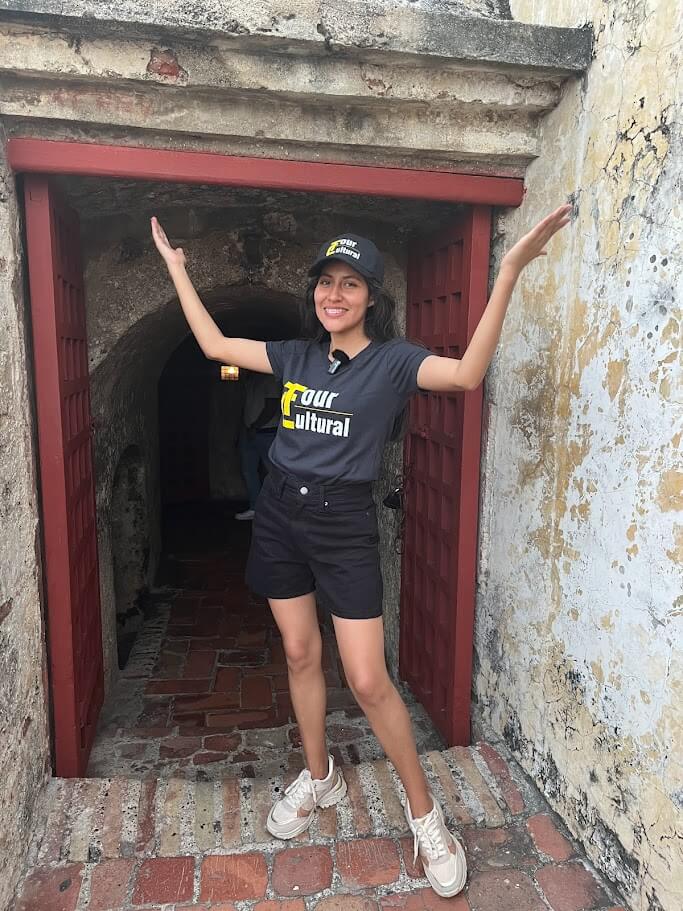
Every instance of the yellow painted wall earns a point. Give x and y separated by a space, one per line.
580 604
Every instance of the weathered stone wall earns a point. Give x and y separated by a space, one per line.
24 741
579 659
134 325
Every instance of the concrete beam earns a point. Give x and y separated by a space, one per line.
421 131
54 54
332 26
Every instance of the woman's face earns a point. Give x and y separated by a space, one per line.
341 298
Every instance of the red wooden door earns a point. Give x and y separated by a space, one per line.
74 628
447 292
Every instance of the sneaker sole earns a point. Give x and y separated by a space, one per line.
337 793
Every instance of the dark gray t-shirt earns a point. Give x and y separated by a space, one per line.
334 427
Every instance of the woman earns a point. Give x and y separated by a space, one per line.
315 526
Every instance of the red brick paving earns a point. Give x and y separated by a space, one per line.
547 839
234 878
504 890
426 900
501 772
222 672
571 887
56 889
347 903
109 884
289 904
164 879
368 862
302 871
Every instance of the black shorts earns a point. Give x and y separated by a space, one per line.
308 537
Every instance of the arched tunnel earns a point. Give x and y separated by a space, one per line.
165 430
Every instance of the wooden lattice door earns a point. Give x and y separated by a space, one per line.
73 619
447 289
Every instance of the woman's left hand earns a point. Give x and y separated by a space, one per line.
533 244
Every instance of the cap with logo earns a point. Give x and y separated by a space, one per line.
359 252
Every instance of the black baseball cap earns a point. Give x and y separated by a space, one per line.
359 252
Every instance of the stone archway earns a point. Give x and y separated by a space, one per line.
130 547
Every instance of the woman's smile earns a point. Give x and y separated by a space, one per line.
341 298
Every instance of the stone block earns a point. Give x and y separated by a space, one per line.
233 877
424 900
57 889
302 871
547 839
507 890
109 884
570 887
368 862
164 880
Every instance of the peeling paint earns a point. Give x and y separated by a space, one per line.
583 489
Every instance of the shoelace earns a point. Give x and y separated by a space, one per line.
300 788
431 834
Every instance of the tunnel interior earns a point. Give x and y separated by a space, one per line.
165 425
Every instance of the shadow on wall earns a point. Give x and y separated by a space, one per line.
130 547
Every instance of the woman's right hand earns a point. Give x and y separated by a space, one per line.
172 257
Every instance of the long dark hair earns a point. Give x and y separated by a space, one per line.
380 326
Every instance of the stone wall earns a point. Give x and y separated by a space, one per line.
579 659
24 740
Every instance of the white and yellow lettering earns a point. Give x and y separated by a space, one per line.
288 396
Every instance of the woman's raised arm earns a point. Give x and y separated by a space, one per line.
242 352
447 374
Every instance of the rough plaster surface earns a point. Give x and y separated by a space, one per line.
398 83
24 745
579 650
345 26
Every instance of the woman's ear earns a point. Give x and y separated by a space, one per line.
371 302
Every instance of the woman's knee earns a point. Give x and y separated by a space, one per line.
302 654
370 688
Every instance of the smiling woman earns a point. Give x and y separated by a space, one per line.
315 527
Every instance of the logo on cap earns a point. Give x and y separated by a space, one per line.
343 245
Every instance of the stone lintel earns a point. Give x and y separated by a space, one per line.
334 27
55 54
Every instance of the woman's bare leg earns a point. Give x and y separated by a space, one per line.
297 621
361 646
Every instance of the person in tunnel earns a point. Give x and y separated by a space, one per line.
315 527
260 420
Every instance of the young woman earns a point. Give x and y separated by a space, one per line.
315 527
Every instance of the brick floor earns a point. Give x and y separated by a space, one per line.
129 845
210 663
183 776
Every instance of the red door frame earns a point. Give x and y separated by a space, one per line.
447 294
41 156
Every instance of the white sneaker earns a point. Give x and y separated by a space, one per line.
443 857
292 814
245 516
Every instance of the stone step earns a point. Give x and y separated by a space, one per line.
102 818
126 845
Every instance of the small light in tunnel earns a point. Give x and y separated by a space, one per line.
229 372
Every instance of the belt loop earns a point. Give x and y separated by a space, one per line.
322 495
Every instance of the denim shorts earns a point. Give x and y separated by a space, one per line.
309 537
